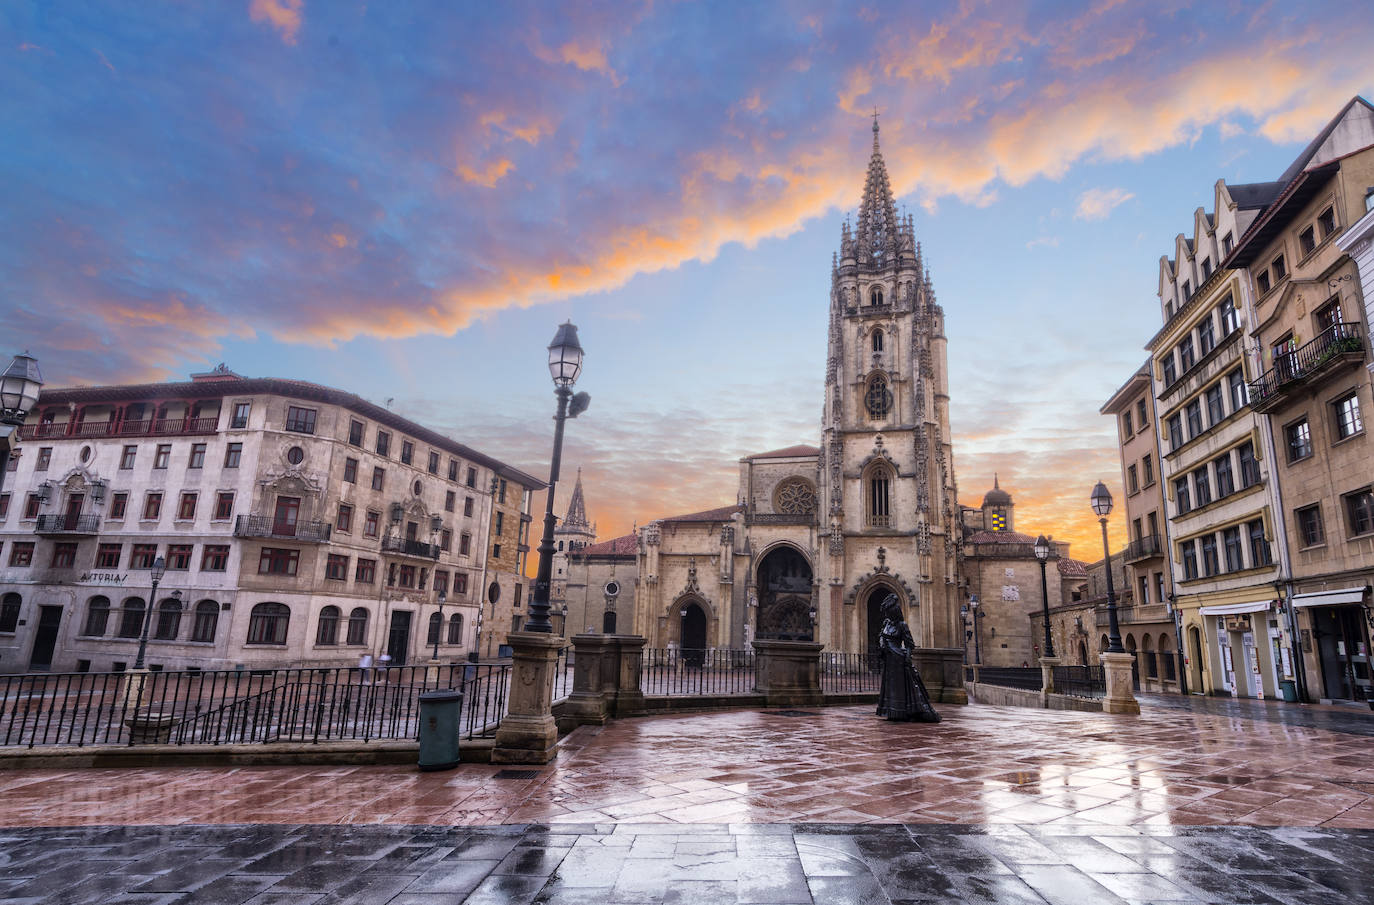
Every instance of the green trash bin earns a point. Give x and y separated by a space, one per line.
439 723
1289 689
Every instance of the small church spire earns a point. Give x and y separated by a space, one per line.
577 506
878 224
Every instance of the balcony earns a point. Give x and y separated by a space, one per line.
1147 547
315 532
407 547
1337 346
161 427
68 525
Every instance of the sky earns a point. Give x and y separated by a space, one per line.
404 200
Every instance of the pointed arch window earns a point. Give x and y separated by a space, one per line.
878 509
877 339
878 398
875 295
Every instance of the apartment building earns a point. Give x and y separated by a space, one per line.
299 525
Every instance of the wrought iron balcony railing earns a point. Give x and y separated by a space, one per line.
407 547
1336 345
1150 545
68 524
312 532
161 427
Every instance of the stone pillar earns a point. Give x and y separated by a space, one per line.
594 679
1120 693
788 673
629 652
134 689
1047 665
942 671
528 732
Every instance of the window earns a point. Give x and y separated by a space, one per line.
501 490
1140 414
407 452
1262 282
179 557
127 456
300 420
875 296
131 618
21 553
187 509
1230 541
1206 338
467 507
1298 438
407 576
1235 383
10 606
446 540
1202 487
383 443
1359 508
97 617
1307 240
152 507
378 478
1185 354
1328 316
1225 484
168 620
1227 243
278 561
163 455
450 501
1216 409
336 567
1169 371
455 628
143 556
1326 221
1210 566
239 419
197 459
357 626
1147 471
1348 422
1249 467
355 432
286 516
107 556
214 558
433 462
472 477
877 340
879 508
63 555
1127 427
268 623
1206 268
1259 547
453 469
1193 411
1230 320
1187 290
344 523
464 544
224 505
1132 480
460 583
119 504
371 522
877 398
5 507
436 628
1310 525
44 458
500 523
207 621
440 582
295 455
351 471
327 630
233 453
1279 268
365 571
496 551
1189 553
1181 495
32 505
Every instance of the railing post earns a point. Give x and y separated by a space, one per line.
1047 665
528 732
594 674
1120 696
788 673
629 656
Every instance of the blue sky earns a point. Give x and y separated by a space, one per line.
404 200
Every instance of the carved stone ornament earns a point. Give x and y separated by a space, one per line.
691 587
795 496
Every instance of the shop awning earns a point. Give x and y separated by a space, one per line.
1331 598
1235 609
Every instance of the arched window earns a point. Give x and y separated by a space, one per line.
357 626
207 621
97 616
875 295
880 497
327 632
455 628
131 619
9 613
878 398
267 623
436 627
168 620
877 339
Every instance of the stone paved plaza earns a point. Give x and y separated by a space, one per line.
1196 800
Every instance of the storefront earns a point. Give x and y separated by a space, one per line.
1245 648
1337 624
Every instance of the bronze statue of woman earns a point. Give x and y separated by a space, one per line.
902 697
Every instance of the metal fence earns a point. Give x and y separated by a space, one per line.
675 671
242 706
1028 677
1081 681
850 672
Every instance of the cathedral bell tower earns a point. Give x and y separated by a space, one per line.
888 502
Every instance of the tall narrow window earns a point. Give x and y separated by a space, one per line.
357 626
878 340
207 620
879 498
327 632
878 398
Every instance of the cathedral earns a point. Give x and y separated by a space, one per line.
818 535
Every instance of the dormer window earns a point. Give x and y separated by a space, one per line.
875 296
1187 290
878 340
1206 268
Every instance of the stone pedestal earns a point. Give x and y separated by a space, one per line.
150 727
942 671
788 673
1047 665
134 689
433 669
629 697
1120 692
595 671
528 732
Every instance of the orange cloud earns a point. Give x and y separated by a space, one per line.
489 175
283 15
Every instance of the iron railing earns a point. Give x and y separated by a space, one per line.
1144 548
1338 342
1080 681
265 526
67 524
850 672
1028 677
146 427
690 671
408 547
243 706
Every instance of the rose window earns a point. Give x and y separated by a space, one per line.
795 497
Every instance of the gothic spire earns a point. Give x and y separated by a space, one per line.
577 507
878 225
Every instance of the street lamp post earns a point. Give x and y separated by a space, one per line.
977 615
443 596
1102 505
565 364
159 569
19 386
1042 553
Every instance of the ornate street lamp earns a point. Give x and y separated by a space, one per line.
443 596
19 386
1102 505
159 569
1042 553
977 615
565 364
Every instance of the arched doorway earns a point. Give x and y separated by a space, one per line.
1195 655
693 634
784 585
1083 653
873 611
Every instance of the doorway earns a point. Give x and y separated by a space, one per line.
1344 652
785 596
73 519
45 638
874 612
693 635
1195 658
398 639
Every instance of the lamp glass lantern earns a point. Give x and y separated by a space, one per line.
159 569
19 385
1042 548
565 356
1102 500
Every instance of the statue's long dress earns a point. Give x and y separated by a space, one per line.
902 696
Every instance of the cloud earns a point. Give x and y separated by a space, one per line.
1097 204
283 15
1043 242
